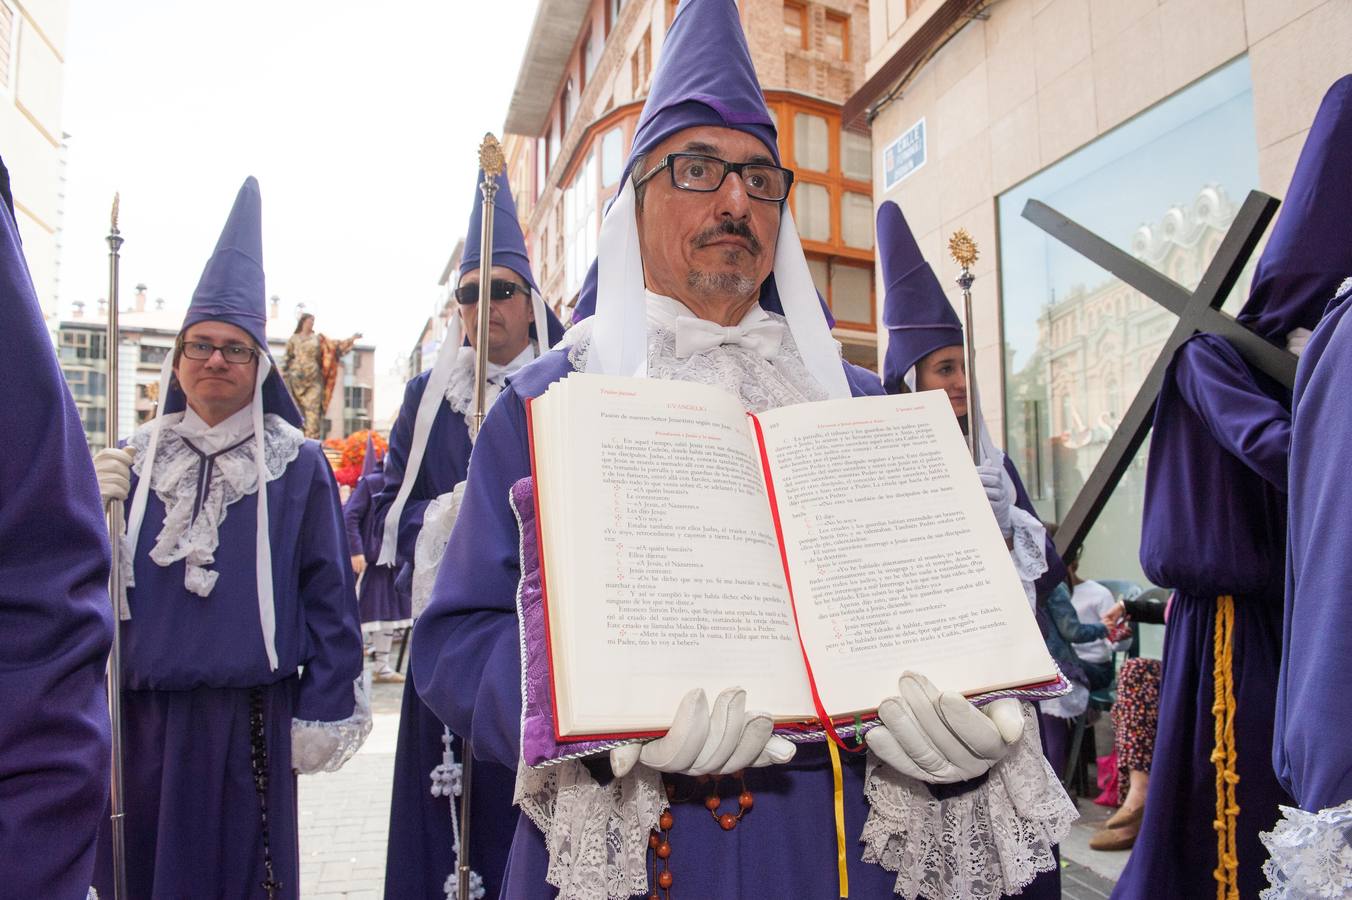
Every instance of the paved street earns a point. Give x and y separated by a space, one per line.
345 816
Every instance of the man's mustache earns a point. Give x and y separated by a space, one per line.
729 228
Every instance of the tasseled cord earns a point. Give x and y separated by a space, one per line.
267 614
1224 754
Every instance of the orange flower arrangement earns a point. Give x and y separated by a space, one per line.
351 454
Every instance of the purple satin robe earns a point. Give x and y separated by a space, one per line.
1214 524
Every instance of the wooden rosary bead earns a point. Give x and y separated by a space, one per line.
663 850
728 821
665 821
652 839
745 800
711 802
664 880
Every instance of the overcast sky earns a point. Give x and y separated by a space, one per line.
360 120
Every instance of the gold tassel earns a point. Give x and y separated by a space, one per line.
1223 756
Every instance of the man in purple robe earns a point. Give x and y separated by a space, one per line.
701 277
381 606
1214 530
1312 751
54 610
241 651
424 478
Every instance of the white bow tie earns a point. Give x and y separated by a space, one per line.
700 335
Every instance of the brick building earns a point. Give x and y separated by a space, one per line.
578 96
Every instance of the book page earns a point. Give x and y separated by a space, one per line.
672 578
895 559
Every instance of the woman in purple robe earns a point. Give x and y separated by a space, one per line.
240 647
1214 530
54 609
585 832
423 479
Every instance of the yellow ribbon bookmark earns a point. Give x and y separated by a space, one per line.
842 872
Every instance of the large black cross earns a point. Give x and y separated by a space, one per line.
1197 311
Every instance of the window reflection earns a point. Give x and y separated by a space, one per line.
1164 187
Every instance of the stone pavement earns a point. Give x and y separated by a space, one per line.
345 815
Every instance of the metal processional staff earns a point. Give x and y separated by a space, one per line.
115 585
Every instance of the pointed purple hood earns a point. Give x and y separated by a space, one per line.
918 316
231 290
1309 253
509 243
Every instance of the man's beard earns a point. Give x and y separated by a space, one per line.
720 283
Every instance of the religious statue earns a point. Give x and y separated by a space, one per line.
311 370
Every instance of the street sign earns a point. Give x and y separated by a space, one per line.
904 156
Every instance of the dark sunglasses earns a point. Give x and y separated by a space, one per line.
499 289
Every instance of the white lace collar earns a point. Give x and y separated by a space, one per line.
460 389
214 438
193 512
760 383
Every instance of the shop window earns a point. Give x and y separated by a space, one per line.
1078 341
851 293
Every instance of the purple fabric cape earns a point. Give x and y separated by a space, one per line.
420 853
1313 745
54 610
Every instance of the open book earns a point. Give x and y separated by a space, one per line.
810 554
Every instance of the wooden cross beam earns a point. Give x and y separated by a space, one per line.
1197 311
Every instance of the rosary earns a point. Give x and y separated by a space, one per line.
659 840
258 755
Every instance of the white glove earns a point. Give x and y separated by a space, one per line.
701 742
941 738
112 467
1002 504
312 747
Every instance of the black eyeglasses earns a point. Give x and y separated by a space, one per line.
498 289
696 172
236 354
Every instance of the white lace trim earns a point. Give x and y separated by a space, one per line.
1029 552
326 746
597 837
1311 854
435 533
760 383
990 841
234 475
460 389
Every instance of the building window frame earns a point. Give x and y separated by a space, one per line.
797 6
844 20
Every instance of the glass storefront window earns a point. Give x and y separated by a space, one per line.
856 220
812 210
1165 187
811 146
856 156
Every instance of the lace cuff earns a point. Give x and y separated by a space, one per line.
1029 551
990 841
438 520
326 746
1311 854
597 836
